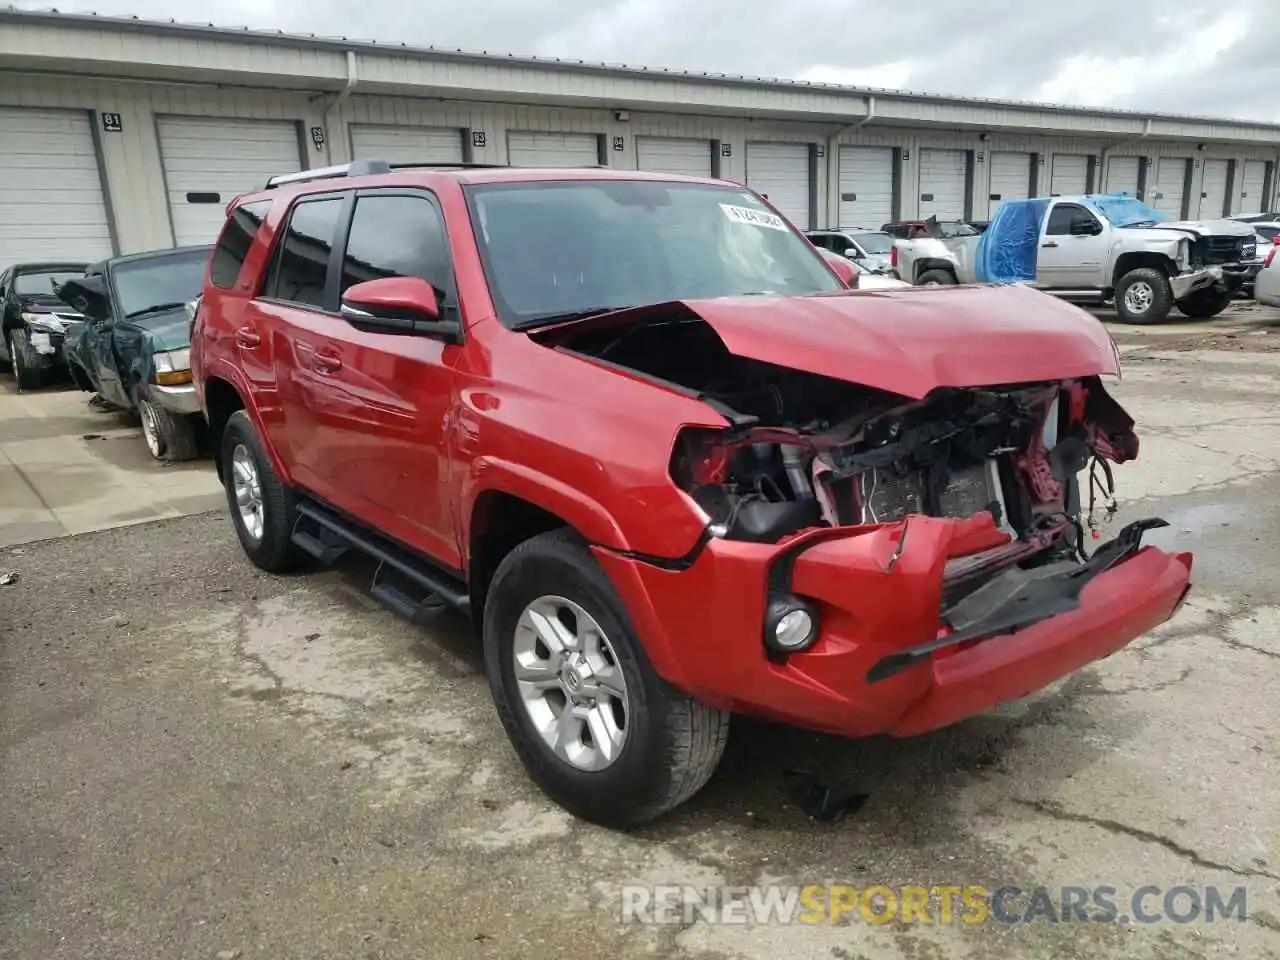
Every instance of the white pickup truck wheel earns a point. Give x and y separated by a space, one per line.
936 278
1143 296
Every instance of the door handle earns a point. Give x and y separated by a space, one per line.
1049 244
247 338
326 363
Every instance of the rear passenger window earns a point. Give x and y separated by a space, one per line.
396 236
234 243
302 265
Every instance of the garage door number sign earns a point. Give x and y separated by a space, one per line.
112 122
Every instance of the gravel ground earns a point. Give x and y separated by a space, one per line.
202 761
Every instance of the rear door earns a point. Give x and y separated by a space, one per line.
294 318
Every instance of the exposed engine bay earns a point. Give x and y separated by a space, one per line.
806 451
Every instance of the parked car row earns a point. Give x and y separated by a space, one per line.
715 481
126 338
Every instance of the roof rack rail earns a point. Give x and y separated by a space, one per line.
447 164
365 168
356 168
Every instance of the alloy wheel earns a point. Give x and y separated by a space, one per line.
151 428
247 487
1139 297
570 683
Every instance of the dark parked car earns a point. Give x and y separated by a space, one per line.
134 347
36 321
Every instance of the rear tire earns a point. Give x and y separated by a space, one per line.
1143 296
20 359
1207 303
670 744
263 509
170 436
936 278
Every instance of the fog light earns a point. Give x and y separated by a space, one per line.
790 625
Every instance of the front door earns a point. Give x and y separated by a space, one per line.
1073 249
393 454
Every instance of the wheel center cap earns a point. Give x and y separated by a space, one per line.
572 681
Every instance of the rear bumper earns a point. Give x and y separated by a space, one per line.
879 592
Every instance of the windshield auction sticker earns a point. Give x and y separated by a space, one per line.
756 218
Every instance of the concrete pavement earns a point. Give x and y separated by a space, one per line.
67 468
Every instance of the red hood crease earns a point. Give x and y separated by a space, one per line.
912 341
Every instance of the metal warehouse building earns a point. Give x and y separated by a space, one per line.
118 135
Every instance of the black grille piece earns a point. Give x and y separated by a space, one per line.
1224 249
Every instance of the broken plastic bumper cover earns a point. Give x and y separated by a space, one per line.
1017 598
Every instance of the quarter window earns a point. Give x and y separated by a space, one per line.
303 262
234 243
396 236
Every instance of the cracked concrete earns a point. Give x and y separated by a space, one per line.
202 759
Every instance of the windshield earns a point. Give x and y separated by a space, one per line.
1124 211
166 281
874 243
557 248
1267 233
41 283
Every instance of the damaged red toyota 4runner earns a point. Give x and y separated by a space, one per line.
673 468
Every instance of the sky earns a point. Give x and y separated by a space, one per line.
1198 57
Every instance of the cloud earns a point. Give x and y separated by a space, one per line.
1194 56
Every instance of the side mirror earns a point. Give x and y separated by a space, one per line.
398 305
842 268
1085 228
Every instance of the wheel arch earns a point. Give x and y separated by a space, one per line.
1140 258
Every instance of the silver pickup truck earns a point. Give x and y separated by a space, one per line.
1092 249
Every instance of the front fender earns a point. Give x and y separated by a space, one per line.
494 475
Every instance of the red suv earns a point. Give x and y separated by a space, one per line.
671 465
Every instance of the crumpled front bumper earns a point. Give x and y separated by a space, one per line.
879 591
1187 283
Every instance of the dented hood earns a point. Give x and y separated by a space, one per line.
912 341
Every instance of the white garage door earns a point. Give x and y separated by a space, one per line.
780 173
689 158
51 200
1010 179
866 187
1213 189
207 162
942 179
1171 180
1122 175
1253 180
553 149
1070 176
371 141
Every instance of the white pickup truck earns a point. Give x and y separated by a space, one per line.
1092 249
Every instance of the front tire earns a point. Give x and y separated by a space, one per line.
27 377
169 436
1143 296
594 725
1206 303
263 509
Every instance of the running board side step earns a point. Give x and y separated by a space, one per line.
412 587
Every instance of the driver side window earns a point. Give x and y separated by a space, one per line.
1066 215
